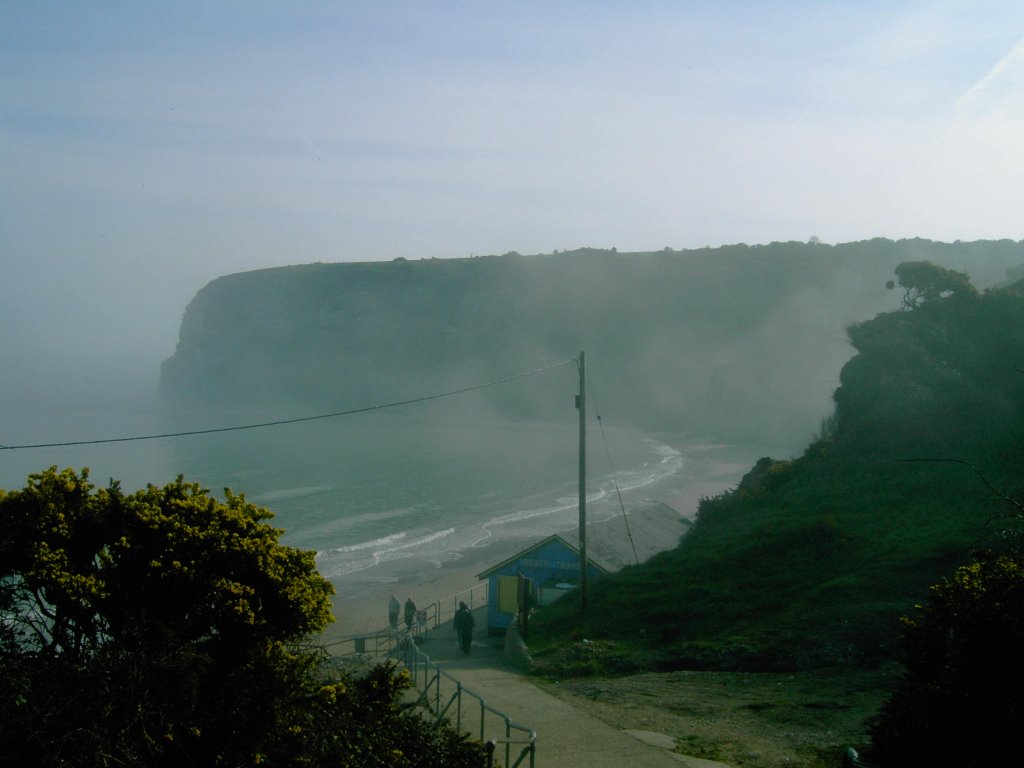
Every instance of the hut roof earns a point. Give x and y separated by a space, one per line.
536 546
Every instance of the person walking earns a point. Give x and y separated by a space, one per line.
393 609
410 613
464 627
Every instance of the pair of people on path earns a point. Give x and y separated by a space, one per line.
394 607
463 623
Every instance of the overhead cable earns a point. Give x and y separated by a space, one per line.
608 453
280 422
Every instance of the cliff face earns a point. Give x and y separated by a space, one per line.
734 341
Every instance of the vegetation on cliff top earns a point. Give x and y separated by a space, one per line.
741 341
812 562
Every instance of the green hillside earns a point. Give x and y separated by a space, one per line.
811 562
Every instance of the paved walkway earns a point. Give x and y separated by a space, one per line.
566 737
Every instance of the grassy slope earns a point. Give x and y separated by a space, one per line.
812 562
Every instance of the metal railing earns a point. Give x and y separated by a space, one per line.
383 642
443 610
371 645
441 693
449 699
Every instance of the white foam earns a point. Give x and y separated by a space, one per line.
384 541
551 515
422 541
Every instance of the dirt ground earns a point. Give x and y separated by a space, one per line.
800 720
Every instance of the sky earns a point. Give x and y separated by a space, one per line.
147 148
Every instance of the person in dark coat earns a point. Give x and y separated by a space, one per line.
393 608
464 627
410 613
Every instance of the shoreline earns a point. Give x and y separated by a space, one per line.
656 522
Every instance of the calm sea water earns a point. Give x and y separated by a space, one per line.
376 493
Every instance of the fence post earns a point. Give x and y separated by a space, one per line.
483 714
508 739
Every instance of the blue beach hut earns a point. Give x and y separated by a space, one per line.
551 566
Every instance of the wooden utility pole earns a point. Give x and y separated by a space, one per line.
581 406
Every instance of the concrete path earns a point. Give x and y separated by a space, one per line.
566 737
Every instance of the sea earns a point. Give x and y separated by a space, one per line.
381 494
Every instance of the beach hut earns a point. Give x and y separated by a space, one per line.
550 567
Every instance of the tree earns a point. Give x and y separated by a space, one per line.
165 627
960 702
923 281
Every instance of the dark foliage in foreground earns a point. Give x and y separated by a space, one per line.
961 702
166 628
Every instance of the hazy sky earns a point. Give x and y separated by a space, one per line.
147 148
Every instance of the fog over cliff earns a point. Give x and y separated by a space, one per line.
736 342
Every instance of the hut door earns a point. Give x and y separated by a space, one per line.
508 594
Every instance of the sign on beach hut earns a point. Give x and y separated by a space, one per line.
552 569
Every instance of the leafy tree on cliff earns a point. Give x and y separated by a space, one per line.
166 627
923 281
944 374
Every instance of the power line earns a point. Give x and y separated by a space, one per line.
615 482
280 422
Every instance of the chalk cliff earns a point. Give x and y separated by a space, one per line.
731 341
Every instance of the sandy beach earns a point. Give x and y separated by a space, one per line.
655 523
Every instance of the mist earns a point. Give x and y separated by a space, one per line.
147 151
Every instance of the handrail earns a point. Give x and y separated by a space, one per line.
382 642
428 678
378 644
442 611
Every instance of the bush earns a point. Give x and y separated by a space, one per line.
166 628
961 702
